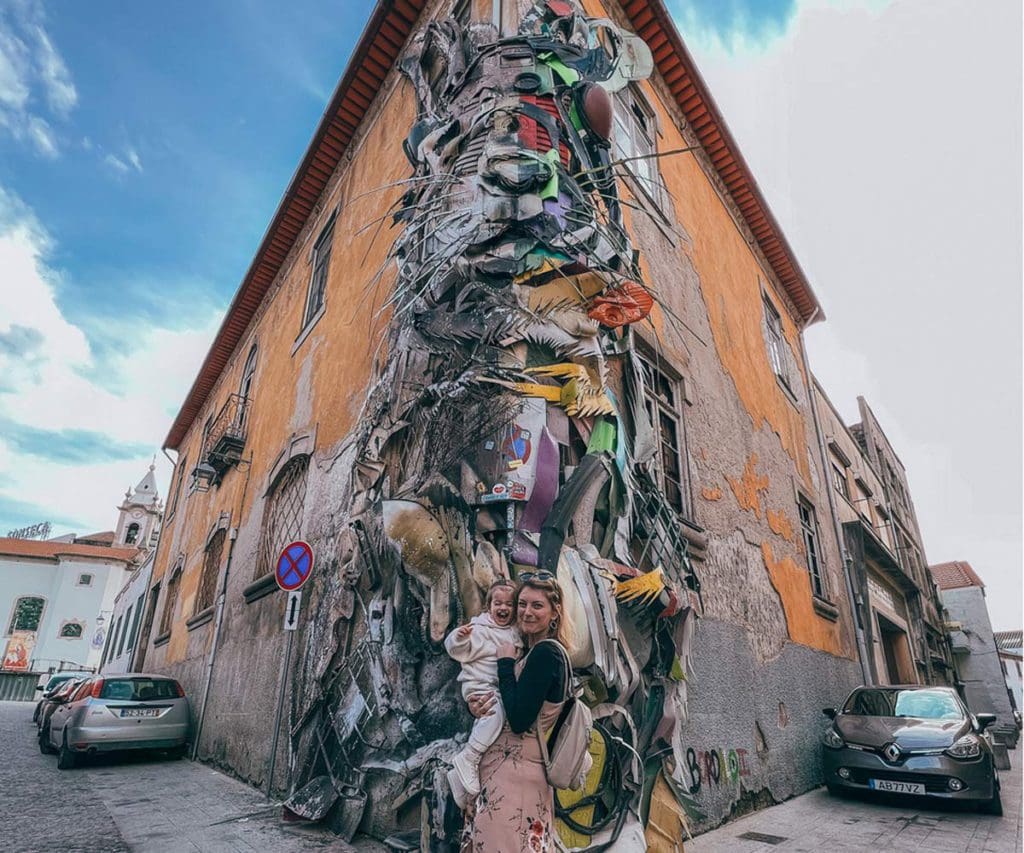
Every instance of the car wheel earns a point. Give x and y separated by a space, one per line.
993 806
44 742
66 759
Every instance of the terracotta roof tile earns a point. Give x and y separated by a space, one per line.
34 549
955 575
105 537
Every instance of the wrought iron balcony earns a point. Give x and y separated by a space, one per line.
225 439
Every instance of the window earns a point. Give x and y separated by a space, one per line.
170 601
664 396
71 631
85 579
633 139
840 481
132 534
82 689
114 634
318 281
776 342
177 486
245 387
27 614
282 522
809 528
211 571
124 631
135 624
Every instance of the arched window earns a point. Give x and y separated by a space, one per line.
71 631
211 571
170 600
27 614
248 373
282 517
132 534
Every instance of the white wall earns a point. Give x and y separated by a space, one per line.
66 600
129 610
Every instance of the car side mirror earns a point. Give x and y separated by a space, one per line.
829 712
984 721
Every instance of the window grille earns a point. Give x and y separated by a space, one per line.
211 571
71 630
662 400
809 527
282 522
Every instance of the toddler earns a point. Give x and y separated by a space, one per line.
475 646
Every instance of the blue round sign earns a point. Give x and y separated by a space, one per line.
294 566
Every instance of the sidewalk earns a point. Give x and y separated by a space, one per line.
818 822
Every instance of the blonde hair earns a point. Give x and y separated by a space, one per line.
501 583
552 590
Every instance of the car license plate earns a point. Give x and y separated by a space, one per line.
140 712
896 787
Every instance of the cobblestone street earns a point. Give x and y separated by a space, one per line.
139 803
818 822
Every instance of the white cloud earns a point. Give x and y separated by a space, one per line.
124 164
43 382
35 84
133 158
116 163
909 228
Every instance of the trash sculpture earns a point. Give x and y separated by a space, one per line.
507 431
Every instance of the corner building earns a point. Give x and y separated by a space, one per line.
313 417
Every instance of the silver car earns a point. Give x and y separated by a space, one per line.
911 740
131 711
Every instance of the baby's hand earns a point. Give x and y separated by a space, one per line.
464 631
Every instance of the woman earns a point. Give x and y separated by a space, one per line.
515 809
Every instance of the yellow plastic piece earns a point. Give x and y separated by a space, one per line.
644 588
598 750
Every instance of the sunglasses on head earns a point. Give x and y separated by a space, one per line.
542 575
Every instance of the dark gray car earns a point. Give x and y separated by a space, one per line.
912 740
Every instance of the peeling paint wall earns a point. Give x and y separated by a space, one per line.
768 660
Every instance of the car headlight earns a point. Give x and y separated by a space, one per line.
969 746
832 739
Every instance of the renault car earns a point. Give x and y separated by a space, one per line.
921 741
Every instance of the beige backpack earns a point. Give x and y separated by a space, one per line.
568 760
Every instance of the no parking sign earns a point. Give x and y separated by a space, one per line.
294 566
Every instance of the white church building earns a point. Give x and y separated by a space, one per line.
57 596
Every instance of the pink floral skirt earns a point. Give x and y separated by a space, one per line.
515 809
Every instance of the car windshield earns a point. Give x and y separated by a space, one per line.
57 680
893 702
139 689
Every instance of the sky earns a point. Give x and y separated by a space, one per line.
144 148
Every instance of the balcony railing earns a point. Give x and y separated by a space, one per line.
225 439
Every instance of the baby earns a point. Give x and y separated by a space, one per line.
475 646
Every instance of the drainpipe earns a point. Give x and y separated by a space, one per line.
862 653
219 615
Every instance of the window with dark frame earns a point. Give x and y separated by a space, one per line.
245 386
839 480
135 622
634 140
170 602
663 403
282 520
776 342
27 614
809 528
124 632
211 571
71 631
318 280
177 486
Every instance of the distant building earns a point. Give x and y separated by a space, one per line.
972 639
120 649
1011 659
897 603
58 596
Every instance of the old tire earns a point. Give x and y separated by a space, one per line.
44 742
993 806
66 759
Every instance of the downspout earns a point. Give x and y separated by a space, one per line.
862 653
219 615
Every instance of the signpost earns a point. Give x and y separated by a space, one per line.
294 567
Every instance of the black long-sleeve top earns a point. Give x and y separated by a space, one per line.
543 677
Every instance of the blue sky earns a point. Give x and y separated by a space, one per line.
144 148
